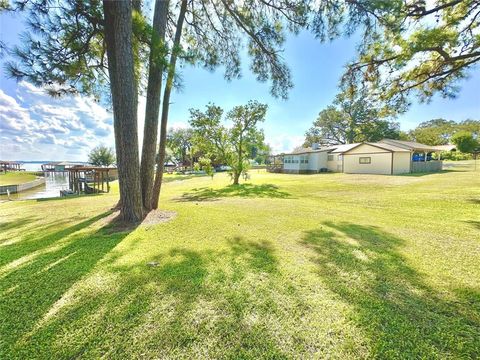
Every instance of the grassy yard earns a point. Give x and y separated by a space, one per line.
286 266
16 177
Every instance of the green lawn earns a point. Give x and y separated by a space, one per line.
286 266
16 177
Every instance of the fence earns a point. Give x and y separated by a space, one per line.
426 166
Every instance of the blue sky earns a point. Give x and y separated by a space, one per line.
36 127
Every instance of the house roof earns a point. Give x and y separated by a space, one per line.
301 151
410 145
448 147
341 148
384 146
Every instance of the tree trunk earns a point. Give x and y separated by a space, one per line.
166 105
239 170
236 177
118 38
152 110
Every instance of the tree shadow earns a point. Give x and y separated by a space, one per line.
399 313
42 238
16 224
242 190
420 174
183 304
38 271
172 178
474 223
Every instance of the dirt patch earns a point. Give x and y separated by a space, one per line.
116 224
157 217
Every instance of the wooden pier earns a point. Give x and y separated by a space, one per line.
89 179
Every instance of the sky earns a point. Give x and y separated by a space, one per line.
33 126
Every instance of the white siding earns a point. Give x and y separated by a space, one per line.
317 160
380 163
401 162
291 162
335 164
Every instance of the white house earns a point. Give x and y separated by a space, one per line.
387 157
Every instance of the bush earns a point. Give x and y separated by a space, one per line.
455 156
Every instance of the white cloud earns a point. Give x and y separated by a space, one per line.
34 123
13 118
284 142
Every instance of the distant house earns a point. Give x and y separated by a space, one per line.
448 147
384 157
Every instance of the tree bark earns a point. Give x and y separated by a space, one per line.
152 110
118 38
166 105
239 169
236 177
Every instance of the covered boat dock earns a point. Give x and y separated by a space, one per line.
89 179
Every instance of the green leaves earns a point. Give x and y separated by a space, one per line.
416 48
101 156
465 142
354 117
232 145
441 131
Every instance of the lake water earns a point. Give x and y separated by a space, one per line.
54 182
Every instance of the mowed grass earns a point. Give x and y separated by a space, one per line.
16 177
285 266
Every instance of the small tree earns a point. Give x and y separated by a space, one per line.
467 144
101 156
231 146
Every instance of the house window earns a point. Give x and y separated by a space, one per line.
365 160
330 157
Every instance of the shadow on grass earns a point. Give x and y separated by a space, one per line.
172 178
420 174
39 270
474 223
215 303
15 224
400 314
43 238
243 190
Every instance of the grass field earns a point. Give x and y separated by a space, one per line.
286 266
16 177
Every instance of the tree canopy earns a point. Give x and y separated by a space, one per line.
101 156
413 47
229 145
353 117
466 142
441 131
180 142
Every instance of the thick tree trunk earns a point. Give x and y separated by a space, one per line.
166 105
118 37
152 110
